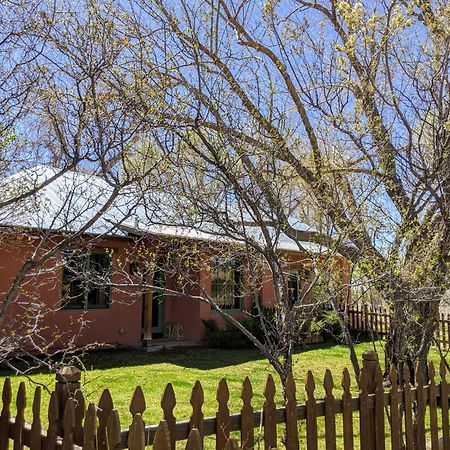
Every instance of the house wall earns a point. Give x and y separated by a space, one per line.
294 261
184 310
191 313
122 322
119 324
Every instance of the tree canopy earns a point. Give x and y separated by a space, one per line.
325 121
340 105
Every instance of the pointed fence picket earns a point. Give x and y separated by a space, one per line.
5 415
68 425
311 413
246 416
80 409
95 427
292 441
36 426
347 412
51 440
90 428
113 431
19 423
432 394
395 412
419 422
330 412
379 410
408 407
196 401
269 412
105 407
444 394
162 437
168 403
365 425
222 415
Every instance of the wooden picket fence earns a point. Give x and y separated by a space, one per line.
93 427
378 321
367 319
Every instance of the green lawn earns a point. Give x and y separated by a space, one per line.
121 371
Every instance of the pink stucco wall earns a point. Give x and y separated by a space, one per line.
119 324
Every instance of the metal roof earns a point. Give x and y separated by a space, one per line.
75 198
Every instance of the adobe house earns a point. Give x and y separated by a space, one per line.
120 311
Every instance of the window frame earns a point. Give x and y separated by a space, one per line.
85 304
297 273
238 282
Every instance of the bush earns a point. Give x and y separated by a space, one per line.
253 322
232 338
327 324
229 337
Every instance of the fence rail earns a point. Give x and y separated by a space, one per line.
74 424
378 320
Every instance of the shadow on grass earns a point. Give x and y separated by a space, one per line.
197 358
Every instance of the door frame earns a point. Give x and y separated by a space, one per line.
158 278
160 309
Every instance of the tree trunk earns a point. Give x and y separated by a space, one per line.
347 337
413 324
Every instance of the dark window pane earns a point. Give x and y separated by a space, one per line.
226 283
72 286
84 276
99 270
294 286
159 280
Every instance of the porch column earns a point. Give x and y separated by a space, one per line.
148 318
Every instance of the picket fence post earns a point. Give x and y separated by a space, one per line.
67 383
371 365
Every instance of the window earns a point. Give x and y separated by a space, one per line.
84 276
226 283
135 270
295 284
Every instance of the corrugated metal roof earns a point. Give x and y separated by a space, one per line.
75 198
67 203
281 241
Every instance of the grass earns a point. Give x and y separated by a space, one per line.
120 371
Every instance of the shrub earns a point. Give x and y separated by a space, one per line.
229 337
232 338
327 323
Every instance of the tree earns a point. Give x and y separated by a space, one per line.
58 116
220 209
347 100
324 122
71 120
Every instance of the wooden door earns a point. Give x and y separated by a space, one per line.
153 308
